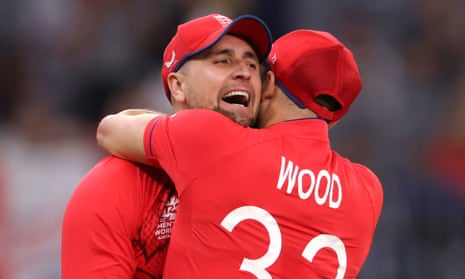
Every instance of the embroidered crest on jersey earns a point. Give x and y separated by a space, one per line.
167 217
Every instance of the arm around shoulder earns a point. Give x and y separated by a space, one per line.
122 134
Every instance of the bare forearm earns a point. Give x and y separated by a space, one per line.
122 134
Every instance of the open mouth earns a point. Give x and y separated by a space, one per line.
237 98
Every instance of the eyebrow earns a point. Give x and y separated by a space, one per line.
230 52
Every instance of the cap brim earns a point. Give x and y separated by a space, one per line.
254 31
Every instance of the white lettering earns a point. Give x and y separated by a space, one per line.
165 225
163 231
305 195
322 199
335 181
325 186
286 175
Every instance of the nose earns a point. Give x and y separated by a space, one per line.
242 71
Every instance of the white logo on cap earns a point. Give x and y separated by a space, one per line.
223 20
168 64
274 58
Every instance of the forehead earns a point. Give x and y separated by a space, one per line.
234 44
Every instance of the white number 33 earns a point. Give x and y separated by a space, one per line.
258 266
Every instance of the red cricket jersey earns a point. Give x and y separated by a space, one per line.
118 222
262 203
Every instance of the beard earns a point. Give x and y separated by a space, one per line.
242 120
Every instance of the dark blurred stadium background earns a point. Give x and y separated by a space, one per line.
66 63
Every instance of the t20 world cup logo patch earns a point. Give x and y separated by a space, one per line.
167 217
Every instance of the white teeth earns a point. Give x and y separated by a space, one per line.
237 93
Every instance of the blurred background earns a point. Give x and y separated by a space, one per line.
66 63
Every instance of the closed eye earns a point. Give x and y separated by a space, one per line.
252 65
222 61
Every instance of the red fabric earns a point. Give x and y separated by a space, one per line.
318 64
274 194
117 222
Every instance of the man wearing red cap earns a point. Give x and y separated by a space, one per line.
264 203
118 221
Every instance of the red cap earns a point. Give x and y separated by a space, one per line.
310 63
201 33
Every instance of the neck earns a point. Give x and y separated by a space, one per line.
273 116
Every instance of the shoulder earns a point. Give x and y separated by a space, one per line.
372 185
367 175
111 168
120 185
120 171
364 178
195 122
105 177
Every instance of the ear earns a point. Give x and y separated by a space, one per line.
176 86
268 87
